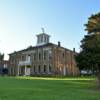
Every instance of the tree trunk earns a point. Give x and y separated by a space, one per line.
98 80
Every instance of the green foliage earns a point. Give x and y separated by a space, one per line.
93 24
89 57
1 57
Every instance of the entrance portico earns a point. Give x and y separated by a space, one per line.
24 68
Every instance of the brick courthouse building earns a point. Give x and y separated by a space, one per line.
44 59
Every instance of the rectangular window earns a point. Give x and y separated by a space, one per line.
39 68
28 58
39 56
12 60
45 39
50 69
50 54
39 39
34 56
63 55
23 57
34 69
45 55
45 67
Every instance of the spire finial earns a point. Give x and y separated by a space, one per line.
43 30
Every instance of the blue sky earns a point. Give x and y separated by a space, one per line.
21 20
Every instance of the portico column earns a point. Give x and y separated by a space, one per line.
64 71
47 69
25 70
18 70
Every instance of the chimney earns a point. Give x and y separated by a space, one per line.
59 44
74 50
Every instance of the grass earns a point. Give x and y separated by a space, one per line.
29 88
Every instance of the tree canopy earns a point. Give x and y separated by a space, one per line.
89 56
1 57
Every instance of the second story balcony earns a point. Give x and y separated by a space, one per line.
23 63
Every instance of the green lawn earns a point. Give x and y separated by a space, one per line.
29 88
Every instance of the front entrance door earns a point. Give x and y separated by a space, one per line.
22 70
27 71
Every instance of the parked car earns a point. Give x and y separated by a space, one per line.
86 72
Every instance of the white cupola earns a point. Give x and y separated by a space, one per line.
42 38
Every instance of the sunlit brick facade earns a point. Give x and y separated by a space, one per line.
44 59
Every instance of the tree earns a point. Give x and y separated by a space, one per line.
93 24
1 57
89 56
